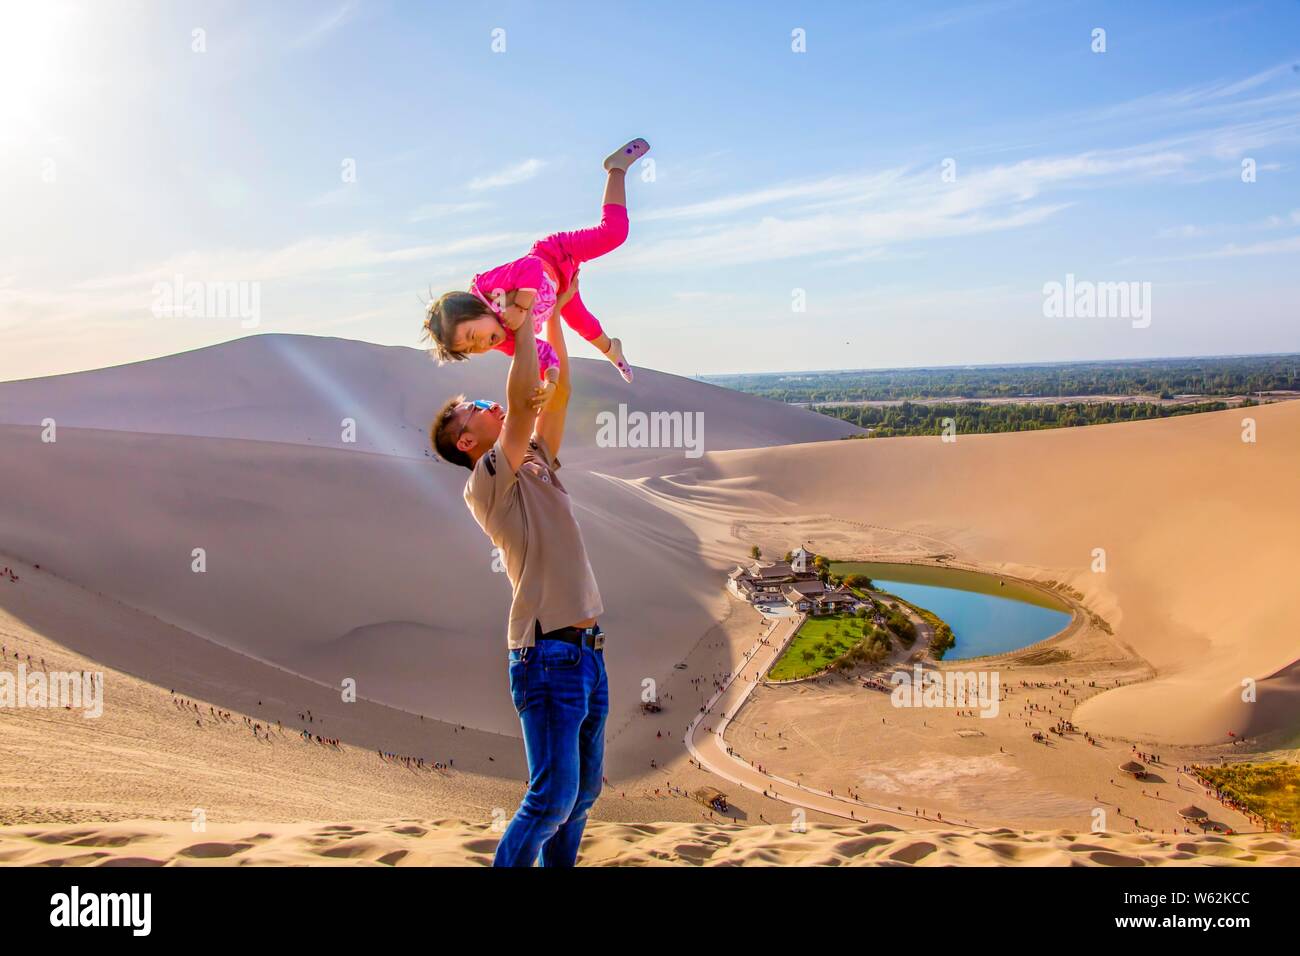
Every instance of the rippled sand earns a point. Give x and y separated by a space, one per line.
456 843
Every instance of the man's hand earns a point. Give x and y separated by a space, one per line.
542 394
512 316
567 294
515 308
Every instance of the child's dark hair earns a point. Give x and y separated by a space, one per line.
443 315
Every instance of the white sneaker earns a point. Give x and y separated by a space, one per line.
627 155
615 355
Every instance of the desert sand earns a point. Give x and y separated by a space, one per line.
328 559
1195 525
348 560
451 842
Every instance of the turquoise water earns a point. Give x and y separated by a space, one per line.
981 623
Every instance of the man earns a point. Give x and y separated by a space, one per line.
557 661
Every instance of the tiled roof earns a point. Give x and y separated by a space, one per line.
807 587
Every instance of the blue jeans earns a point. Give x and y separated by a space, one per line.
562 697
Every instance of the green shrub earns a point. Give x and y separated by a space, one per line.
941 640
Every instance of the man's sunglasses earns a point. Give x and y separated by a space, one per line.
478 405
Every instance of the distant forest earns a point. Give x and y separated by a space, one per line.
910 418
1163 378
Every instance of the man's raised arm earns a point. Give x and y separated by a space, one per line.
520 414
550 423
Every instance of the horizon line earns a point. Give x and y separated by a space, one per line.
706 377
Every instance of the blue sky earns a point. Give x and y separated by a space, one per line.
129 158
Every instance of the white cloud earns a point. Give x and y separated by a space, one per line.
863 215
519 173
1232 250
314 256
1183 232
327 25
317 283
1269 248
343 195
442 210
959 16
855 188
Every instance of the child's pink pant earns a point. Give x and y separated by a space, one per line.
565 251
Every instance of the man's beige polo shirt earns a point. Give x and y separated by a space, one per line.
529 516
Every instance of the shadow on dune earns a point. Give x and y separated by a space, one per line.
339 560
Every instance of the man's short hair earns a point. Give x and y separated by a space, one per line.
444 437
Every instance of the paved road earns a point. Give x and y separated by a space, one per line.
704 740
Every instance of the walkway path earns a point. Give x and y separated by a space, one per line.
924 629
704 739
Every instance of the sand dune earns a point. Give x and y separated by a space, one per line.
328 560
446 842
332 564
1197 528
299 388
1196 525
337 560
122 790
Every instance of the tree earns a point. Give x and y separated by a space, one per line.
822 567
902 625
789 556
859 582
875 654
941 640
755 552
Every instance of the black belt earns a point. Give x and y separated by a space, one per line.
592 637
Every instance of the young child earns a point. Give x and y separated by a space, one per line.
462 324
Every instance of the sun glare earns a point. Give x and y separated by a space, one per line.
31 35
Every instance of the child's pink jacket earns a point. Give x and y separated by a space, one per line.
525 273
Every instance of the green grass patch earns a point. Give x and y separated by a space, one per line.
820 642
1270 790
